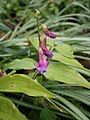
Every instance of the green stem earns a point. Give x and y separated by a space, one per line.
12 72
58 108
38 32
23 95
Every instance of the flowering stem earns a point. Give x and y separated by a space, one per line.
38 32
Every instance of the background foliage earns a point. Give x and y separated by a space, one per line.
48 96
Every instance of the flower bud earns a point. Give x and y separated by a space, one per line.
44 27
37 14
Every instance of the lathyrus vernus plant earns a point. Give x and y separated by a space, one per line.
43 51
54 68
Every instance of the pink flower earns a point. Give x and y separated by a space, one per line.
43 64
44 48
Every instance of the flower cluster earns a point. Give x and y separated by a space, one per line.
43 64
43 51
44 48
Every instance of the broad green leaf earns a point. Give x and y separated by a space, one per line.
65 50
60 72
68 61
8 111
24 84
50 42
17 64
35 42
71 62
47 114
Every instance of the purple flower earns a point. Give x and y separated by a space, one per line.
44 48
47 32
43 64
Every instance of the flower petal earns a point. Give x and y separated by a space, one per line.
43 64
44 48
50 34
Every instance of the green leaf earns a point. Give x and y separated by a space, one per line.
4 28
76 95
17 64
47 114
71 113
24 84
65 50
60 72
34 42
73 108
8 111
50 42
71 62
11 42
68 61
